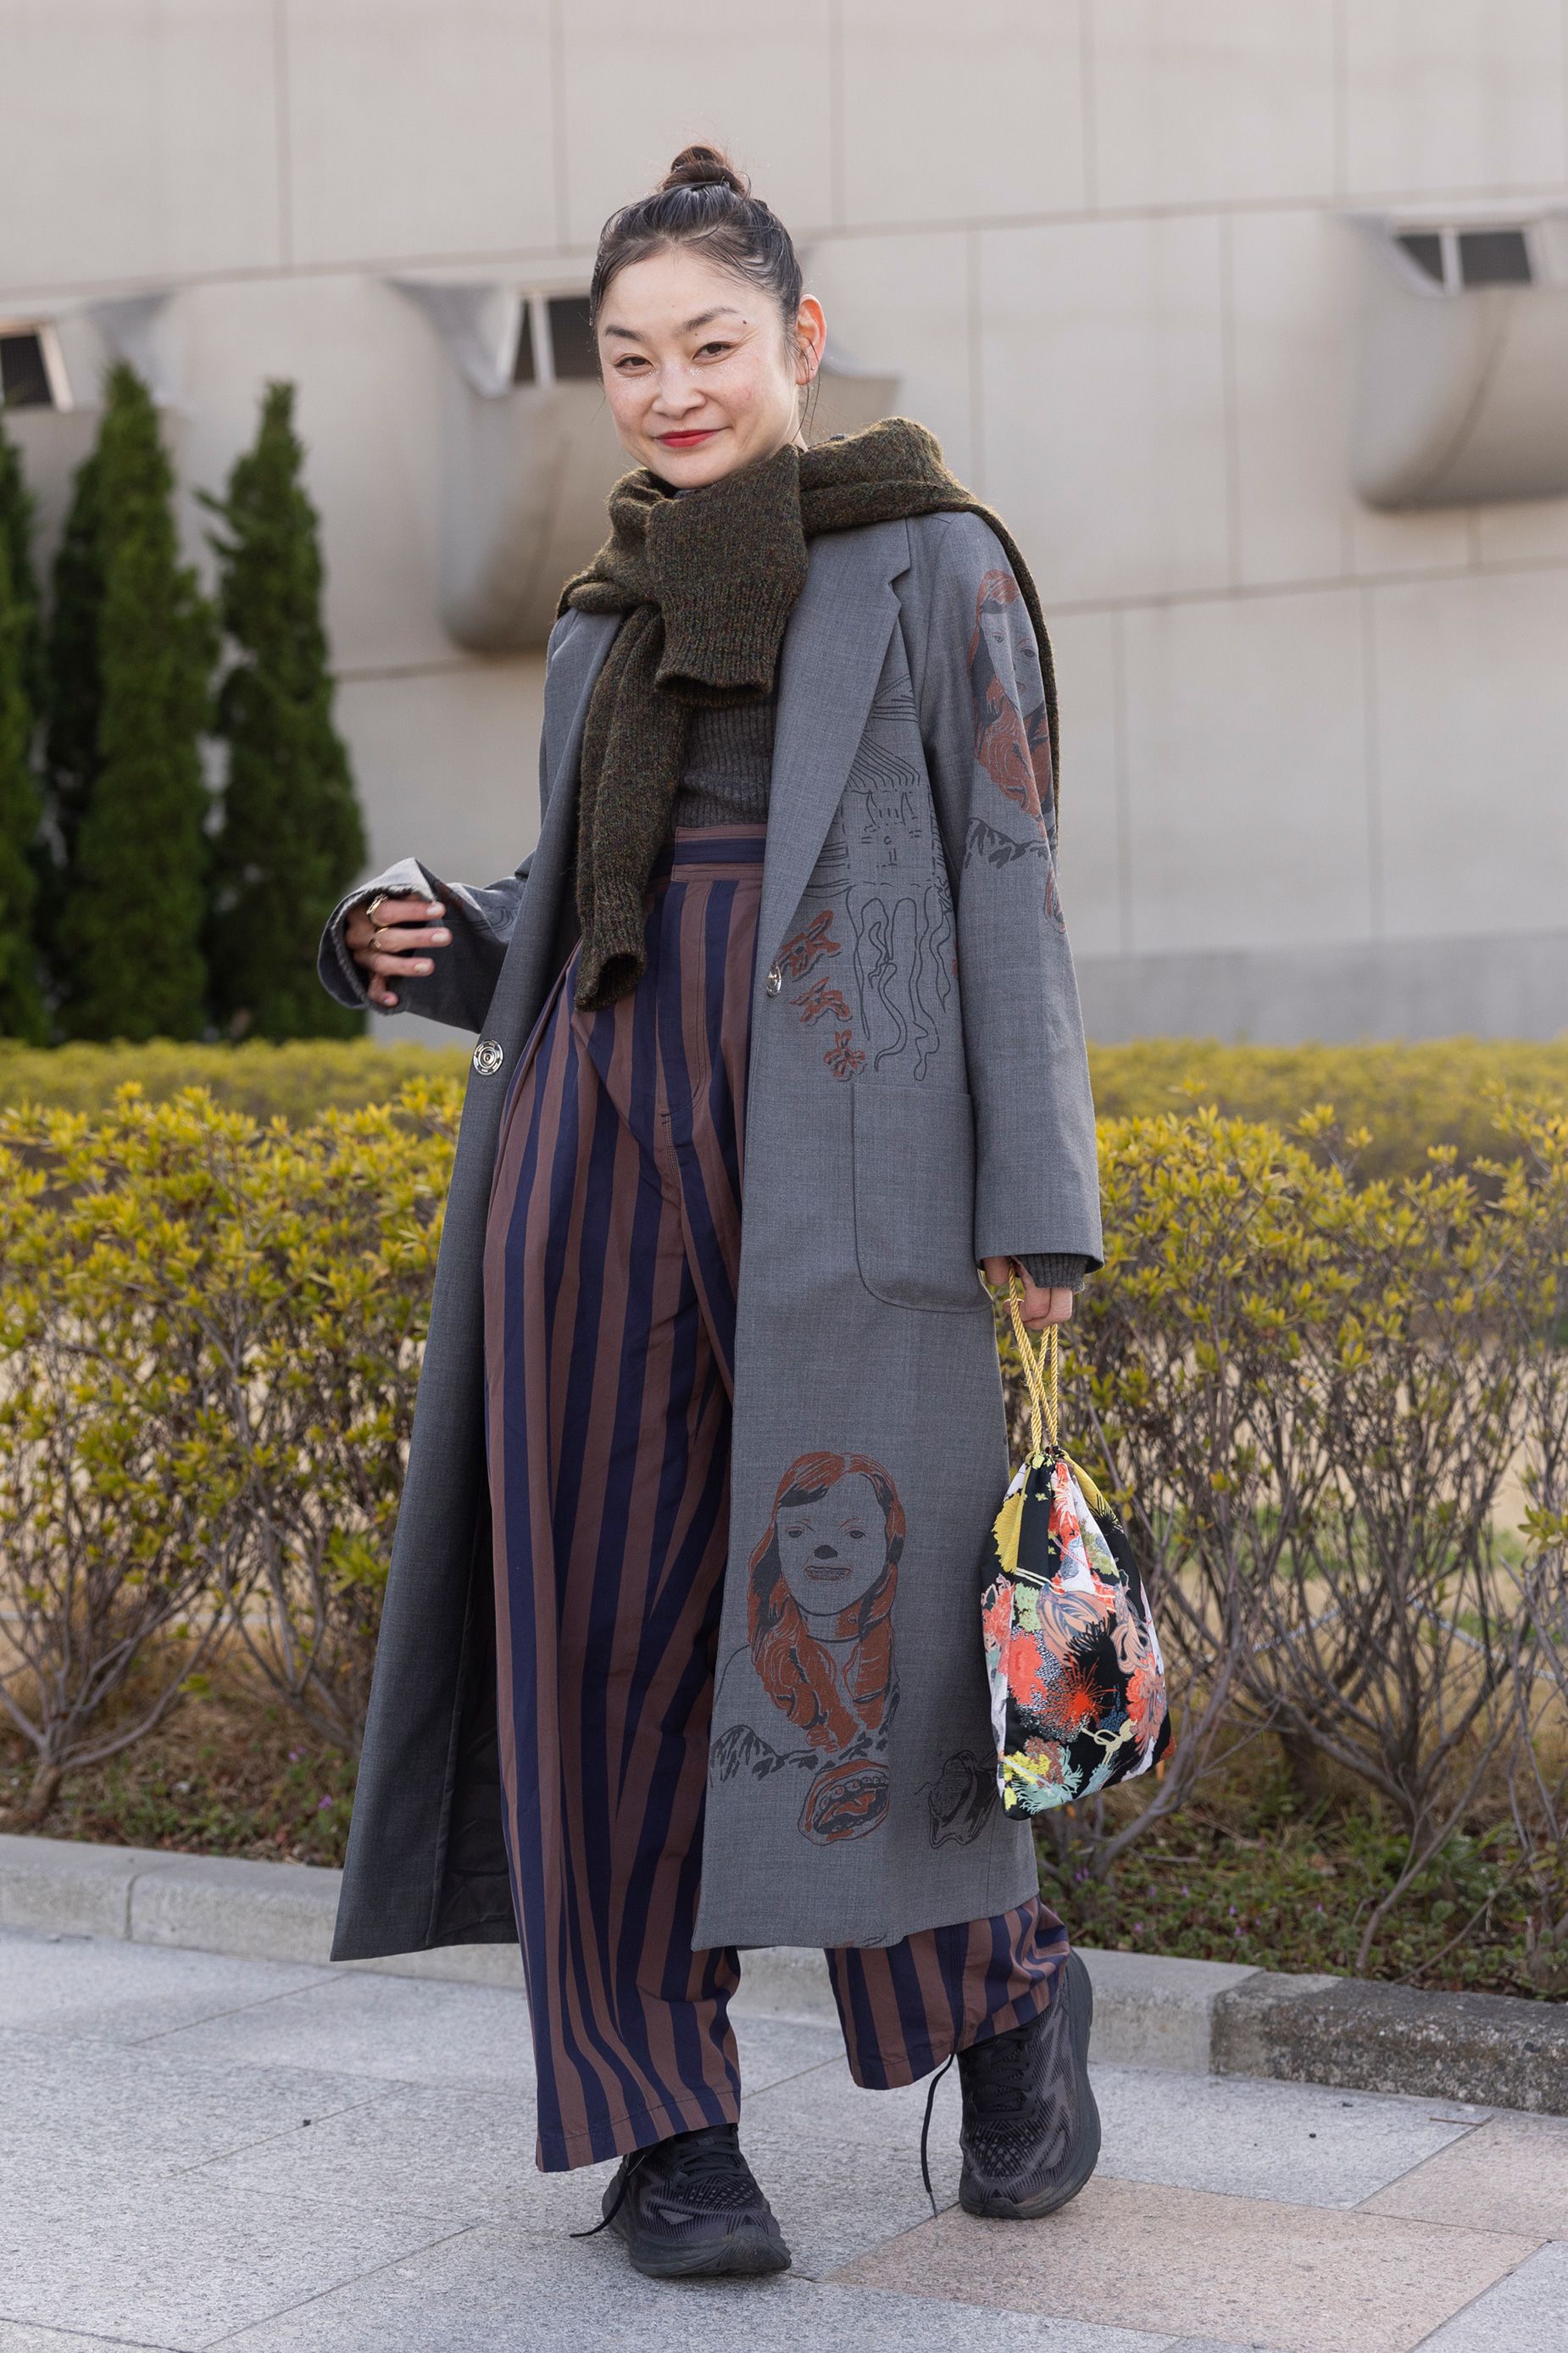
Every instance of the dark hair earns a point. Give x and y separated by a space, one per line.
703 200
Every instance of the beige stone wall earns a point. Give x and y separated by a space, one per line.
1314 757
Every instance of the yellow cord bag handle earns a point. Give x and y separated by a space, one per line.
1042 1373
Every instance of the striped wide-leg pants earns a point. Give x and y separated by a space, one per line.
611 1262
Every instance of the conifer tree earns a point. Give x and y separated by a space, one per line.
16 532
129 953
291 838
22 1008
72 692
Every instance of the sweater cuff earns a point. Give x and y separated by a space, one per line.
1054 1269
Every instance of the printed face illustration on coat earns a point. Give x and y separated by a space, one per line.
823 1578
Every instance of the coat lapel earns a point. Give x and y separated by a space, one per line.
582 658
828 667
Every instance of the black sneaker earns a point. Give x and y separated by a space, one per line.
1030 2135
690 2205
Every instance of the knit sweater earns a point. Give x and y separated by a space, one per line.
724 780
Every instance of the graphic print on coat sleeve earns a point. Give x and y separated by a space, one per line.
1011 741
820 1592
987 841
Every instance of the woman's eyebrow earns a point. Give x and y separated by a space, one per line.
688 326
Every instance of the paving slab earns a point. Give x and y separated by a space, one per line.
404 2028
454 2152
1295 2142
1526 2312
23 2339
1509 2175
125 1993
159 2189
180 2261
841 2166
74 2103
1297 2279
490 2290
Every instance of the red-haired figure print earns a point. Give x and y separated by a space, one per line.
820 1595
1012 745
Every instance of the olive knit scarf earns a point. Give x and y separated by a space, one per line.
707 583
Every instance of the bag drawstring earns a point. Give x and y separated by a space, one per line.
1041 1375
925 2129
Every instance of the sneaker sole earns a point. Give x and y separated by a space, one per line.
1086 2156
748 2253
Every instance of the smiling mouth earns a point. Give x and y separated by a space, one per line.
685 441
827 1572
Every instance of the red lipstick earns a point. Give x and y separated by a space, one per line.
688 441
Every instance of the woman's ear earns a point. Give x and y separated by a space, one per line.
810 336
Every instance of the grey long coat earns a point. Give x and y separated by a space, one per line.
917 1100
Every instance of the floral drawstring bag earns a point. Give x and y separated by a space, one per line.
1078 1683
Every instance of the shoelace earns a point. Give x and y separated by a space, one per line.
925 2129
1003 2086
1003 2091
702 2158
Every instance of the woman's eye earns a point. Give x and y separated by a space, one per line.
714 347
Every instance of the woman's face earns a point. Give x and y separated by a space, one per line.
697 371
833 1551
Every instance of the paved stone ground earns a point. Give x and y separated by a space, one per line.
285 2158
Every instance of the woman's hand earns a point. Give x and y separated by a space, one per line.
388 947
1038 1307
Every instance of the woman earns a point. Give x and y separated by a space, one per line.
792 920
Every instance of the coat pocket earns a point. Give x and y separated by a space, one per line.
913 1150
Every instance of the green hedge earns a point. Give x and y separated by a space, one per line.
296 1081
1407 1098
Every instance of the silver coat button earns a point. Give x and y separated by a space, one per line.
489 1055
775 980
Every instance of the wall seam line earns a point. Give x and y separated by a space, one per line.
1124 782
560 177
1377 915
283 126
1089 141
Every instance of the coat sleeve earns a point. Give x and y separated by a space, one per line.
981 695
461 982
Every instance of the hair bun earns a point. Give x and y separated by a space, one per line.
701 167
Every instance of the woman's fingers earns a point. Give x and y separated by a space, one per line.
1041 1308
1038 1306
391 942
360 926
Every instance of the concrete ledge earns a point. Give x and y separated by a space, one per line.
1154 2012
253 1911
1491 2049
1197 2017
